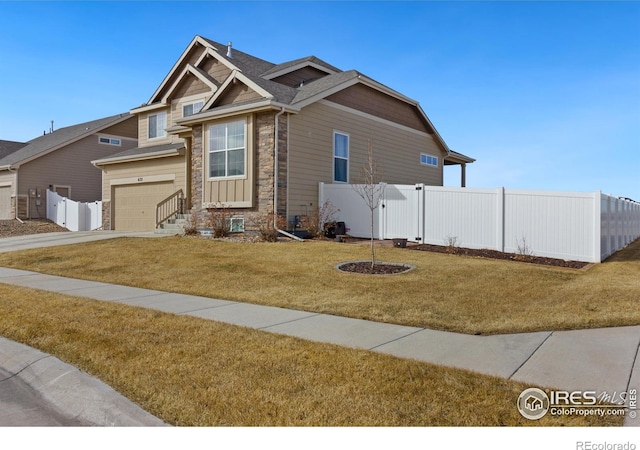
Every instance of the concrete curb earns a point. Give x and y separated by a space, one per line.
73 393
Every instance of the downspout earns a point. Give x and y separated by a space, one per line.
275 179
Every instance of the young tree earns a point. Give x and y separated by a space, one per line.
371 190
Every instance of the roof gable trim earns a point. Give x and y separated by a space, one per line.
189 69
233 77
299 66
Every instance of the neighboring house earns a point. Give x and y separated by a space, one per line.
223 126
60 161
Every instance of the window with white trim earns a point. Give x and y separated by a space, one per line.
110 141
157 125
428 160
227 149
189 109
340 157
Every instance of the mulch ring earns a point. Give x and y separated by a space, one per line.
494 254
379 268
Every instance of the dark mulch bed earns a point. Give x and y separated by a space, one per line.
10 228
494 254
379 268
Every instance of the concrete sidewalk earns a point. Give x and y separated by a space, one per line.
602 360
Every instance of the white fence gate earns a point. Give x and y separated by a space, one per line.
567 225
75 216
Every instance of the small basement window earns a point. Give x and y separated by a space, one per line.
237 225
110 141
428 160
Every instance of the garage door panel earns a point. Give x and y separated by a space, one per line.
135 205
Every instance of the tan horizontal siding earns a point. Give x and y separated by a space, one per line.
237 93
143 128
127 128
215 69
190 85
396 151
366 99
173 165
71 166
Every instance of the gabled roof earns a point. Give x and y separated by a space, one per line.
59 138
309 61
259 74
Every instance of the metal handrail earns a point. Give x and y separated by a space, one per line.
169 207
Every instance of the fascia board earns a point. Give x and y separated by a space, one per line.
299 66
131 158
195 41
192 70
218 56
147 108
235 75
233 111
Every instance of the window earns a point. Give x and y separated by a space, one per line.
189 109
109 141
157 124
428 160
340 157
227 149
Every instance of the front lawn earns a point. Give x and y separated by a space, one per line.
196 372
445 292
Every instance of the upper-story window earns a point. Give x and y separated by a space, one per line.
157 125
189 109
340 157
428 160
227 149
110 141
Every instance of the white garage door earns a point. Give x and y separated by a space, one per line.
5 203
134 206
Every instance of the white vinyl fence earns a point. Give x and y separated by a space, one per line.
567 225
75 216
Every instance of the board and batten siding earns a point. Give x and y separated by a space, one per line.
142 171
396 150
234 191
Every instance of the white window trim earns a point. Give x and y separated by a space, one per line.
110 139
333 160
208 148
64 186
163 131
193 102
429 158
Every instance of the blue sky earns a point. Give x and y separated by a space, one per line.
545 95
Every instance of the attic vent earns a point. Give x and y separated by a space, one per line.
229 52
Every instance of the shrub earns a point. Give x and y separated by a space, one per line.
219 220
314 222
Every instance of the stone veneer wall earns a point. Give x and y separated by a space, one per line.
263 171
106 215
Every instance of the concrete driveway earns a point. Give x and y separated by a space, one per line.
29 241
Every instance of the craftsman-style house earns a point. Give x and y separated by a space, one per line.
228 128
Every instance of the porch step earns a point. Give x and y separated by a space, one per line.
175 225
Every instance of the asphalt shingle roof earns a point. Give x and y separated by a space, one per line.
8 147
58 138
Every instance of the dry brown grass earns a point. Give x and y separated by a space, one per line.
446 292
194 372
